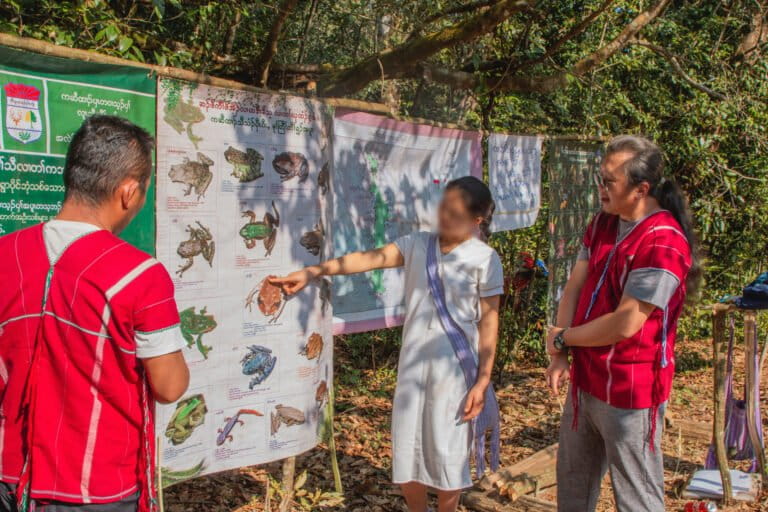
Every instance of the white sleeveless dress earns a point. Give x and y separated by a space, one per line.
430 443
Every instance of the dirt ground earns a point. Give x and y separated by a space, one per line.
530 422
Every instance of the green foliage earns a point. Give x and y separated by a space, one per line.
716 148
303 498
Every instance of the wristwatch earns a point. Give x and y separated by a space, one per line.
559 341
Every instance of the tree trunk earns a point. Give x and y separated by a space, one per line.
270 48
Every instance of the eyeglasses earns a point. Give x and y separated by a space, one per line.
603 182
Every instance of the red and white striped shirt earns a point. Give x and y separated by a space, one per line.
74 401
635 373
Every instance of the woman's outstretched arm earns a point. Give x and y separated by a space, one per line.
388 256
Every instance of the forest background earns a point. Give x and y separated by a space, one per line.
691 74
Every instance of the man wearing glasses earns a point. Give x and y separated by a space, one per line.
615 332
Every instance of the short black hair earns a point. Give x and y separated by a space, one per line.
104 151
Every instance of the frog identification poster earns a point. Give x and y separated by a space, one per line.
44 100
388 179
242 192
514 171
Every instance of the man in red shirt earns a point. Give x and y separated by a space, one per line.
89 339
618 320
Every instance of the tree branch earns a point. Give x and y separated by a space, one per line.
749 49
403 61
230 42
497 65
459 9
675 63
574 32
270 48
307 25
548 83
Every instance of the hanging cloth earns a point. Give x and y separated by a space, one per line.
738 445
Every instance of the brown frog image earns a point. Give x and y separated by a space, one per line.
312 241
285 415
323 178
314 346
291 165
195 174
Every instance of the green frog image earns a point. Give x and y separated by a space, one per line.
246 165
194 325
184 113
264 230
190 414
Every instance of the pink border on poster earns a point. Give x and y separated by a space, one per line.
341 326
421 130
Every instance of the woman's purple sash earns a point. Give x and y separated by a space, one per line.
488 419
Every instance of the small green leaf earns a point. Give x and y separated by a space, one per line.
112 33
124 44
159 8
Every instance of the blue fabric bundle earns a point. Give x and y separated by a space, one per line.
755 295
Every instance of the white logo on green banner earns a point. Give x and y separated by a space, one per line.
22 112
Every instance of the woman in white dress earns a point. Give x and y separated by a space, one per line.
432 407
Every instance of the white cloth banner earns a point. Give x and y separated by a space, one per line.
242 187
514 167
388 177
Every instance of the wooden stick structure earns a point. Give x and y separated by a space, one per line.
719 363
753 366
753 395
289 474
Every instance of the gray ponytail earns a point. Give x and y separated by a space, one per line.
647 165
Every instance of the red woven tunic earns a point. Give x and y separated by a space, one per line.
76 420
635 373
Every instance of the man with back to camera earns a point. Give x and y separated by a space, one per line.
89 339
618 319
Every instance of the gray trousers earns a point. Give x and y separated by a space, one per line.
609 439
8 503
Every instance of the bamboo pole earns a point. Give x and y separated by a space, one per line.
719 351
52 50
289 474
753 395
332 442
160 490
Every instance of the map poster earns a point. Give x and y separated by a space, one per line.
387 182
43 101
573 198
242 189
514 170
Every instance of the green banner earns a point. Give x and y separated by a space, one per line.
573 200
44 101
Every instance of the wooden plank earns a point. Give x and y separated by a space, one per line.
528 475
483 502
688 429
719 351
